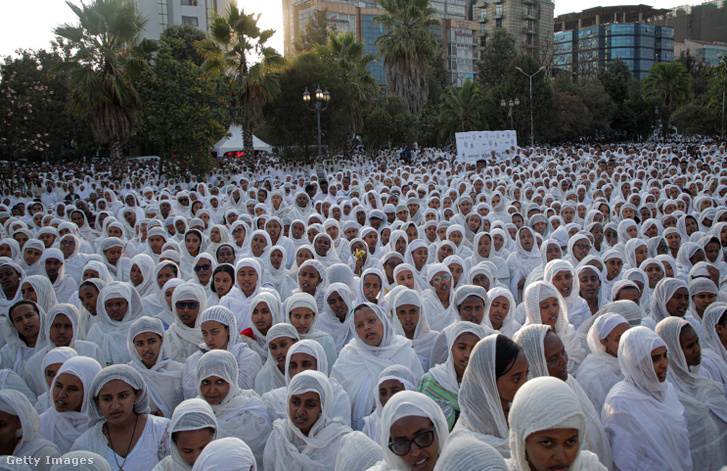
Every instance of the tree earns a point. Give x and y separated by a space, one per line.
498 53
315 33
462 110
671 85
598 101
182 40
407 47
696 119
100 73
235 41
389 124
570 118
615 79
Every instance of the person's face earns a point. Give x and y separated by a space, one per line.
223 283
613 268
247 279
371 287
67 393
116 401
164 275
654 272
417 431
388 388
552 449
116 308
88 296
187 311
304 410
47 239
192 242
215 334
301 318
678 303
509 383
301 362
31 255
690 345
77 218
27 322
28 293
472 309
702 301
297 230
214 389
190 443
589 284
526 240
322 245
555 356
148 345
612 339
691 225
461 351
563 281
368 327
61 331
581 249
441 282
697 257
661 363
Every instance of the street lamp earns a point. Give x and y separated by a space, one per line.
723 60
532 126
321 104
511 107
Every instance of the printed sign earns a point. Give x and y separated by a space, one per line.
477 145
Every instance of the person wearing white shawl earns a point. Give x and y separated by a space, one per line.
279 278
265 312
67 419
61 330
324 251
64 285
81 461
545 305
184 335
714 339
52 362
279 339
155 304
562 275
374 347
542 405
301 311
218 235
11 292
239 412
111 250
27 440
118 306
525 259
25 334
705 406
229 453
41 289
392 380
163 376
148 444
194 244
308 351
357 452
219 331
466 452
240 242
410 321
334 318
411 418
248 283
314 445
30 261
642 414
500 312
670 298
438 315
192 415
141 270
600 371
546 357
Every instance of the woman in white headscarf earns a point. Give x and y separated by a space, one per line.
119 306
30 261
466 452
670 298
279 339
600 371
155 303
298 311
38 288
357 452
545 305
714 359
64 285
184 336
525 259
410 321
307 438
248 283
279 278
374 347
440 292
148 441
562 275
500 312
642 414
25 439
705 406
219 331
546 357
543 405
141 271
25 334
229 453
392 380
193 427
265 312
408 418
52 362
239 412
334 318
67 419
147 347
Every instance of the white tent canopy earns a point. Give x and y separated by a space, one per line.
236 143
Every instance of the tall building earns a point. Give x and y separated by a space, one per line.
705 22
456 34
588 41
161 14
529 21
706 52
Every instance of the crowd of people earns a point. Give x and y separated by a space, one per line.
553 309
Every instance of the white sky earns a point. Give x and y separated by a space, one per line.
29 24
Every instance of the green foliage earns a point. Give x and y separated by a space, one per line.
496 58
315 33
616 79
436 80
462 110
670 85
599 103
698 119
182 40
185 113
571 118
389 125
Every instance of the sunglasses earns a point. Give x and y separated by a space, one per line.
188 304
422 440
582 246
67 242
237 231
439 279
204 267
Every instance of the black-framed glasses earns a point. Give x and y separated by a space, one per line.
237 231
422 440
67 242
187 304
582 246
204 267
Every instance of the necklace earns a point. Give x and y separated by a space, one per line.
108 432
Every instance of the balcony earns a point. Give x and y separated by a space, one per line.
532 2
481 4
529 15
482 20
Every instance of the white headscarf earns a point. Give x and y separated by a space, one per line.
229 453
577 307
357 452
190 415
259 342
146 266
464 451
270 377
31 444
329 322
183 340
399 373
424 337
509 324
715 355
108 334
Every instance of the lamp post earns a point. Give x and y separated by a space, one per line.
723 61
532 126
511 108
321 104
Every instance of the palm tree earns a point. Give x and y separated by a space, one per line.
347 55
406 48
671 84
462 110
100 73
235 42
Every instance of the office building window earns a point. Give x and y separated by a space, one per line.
192 3
190 20
498 23
498 10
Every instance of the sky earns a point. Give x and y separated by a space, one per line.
29 24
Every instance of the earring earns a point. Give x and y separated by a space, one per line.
19 433
526 455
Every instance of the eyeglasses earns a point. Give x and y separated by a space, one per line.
188 304
67 242
237 231
204 267
439 279
582 246
422 440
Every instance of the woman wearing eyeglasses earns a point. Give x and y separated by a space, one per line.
437 300
184 335
203 267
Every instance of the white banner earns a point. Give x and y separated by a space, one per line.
478 145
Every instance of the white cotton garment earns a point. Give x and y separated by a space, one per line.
714 355
270 377
230 454
400 373
190 415
357 452
182 339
